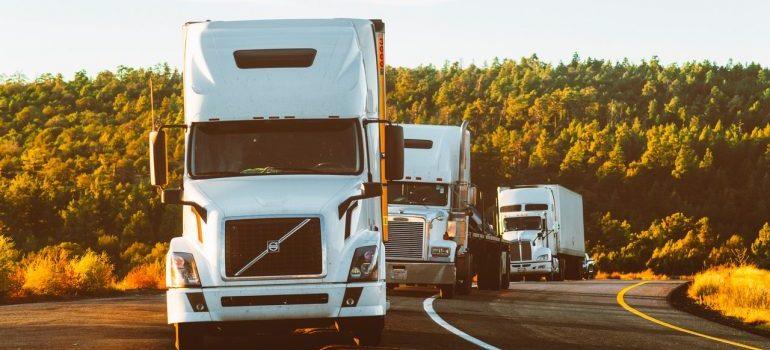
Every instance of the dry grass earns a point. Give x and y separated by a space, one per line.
146 276
741 292
646 275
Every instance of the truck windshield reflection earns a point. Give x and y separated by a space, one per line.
268 147
522 223
417 193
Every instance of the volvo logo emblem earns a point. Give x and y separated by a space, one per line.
273 246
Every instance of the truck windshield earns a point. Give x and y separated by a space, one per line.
266 147
417 193
522 223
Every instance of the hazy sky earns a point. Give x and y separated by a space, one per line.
64 36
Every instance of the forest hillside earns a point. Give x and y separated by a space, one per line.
673 161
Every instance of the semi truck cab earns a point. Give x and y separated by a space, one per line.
428 209
525 224
545 224
287 157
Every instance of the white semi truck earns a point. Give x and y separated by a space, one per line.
545 222
287 156
437 237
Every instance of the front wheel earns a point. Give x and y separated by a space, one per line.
464 266
367 331
447 291
505 280
187 337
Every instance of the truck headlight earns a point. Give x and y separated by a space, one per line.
363 267
543 257
184 273
440 252
451 229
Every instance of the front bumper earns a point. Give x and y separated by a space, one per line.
420 272
278 302
531 267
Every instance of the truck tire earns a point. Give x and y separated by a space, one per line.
187 337
482 272
562 269
505 280
464 268
366 331
573 269
447 291
492 267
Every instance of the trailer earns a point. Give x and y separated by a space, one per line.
438 236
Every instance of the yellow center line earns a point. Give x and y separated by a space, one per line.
636 312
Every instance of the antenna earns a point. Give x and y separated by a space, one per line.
152 106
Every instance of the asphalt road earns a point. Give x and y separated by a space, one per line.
532 315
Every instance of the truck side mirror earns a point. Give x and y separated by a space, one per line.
394 151
158 161
171 196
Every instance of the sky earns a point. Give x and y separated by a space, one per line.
65 36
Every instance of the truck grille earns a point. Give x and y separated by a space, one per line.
405 240
298 254
522 251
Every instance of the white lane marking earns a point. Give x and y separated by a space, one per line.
427 304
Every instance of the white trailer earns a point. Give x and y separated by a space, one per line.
437 235
546 223
283 190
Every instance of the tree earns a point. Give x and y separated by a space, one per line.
761 247
733 253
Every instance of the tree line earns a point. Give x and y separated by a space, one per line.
673 161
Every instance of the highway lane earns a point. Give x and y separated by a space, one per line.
583 315
532 315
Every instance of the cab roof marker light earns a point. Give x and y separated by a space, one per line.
289 117
258 118
334 117
274 117
417 178
213 119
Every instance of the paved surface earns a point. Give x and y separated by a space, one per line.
532 315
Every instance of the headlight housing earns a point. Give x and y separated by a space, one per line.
440 252
184 272
451 229
543 257
363 267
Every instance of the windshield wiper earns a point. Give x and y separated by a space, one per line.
274 170
218 174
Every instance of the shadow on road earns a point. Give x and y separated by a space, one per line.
414 292
303 339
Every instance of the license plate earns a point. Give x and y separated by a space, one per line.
399 274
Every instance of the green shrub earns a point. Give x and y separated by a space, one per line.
93 272
62 270
49 272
